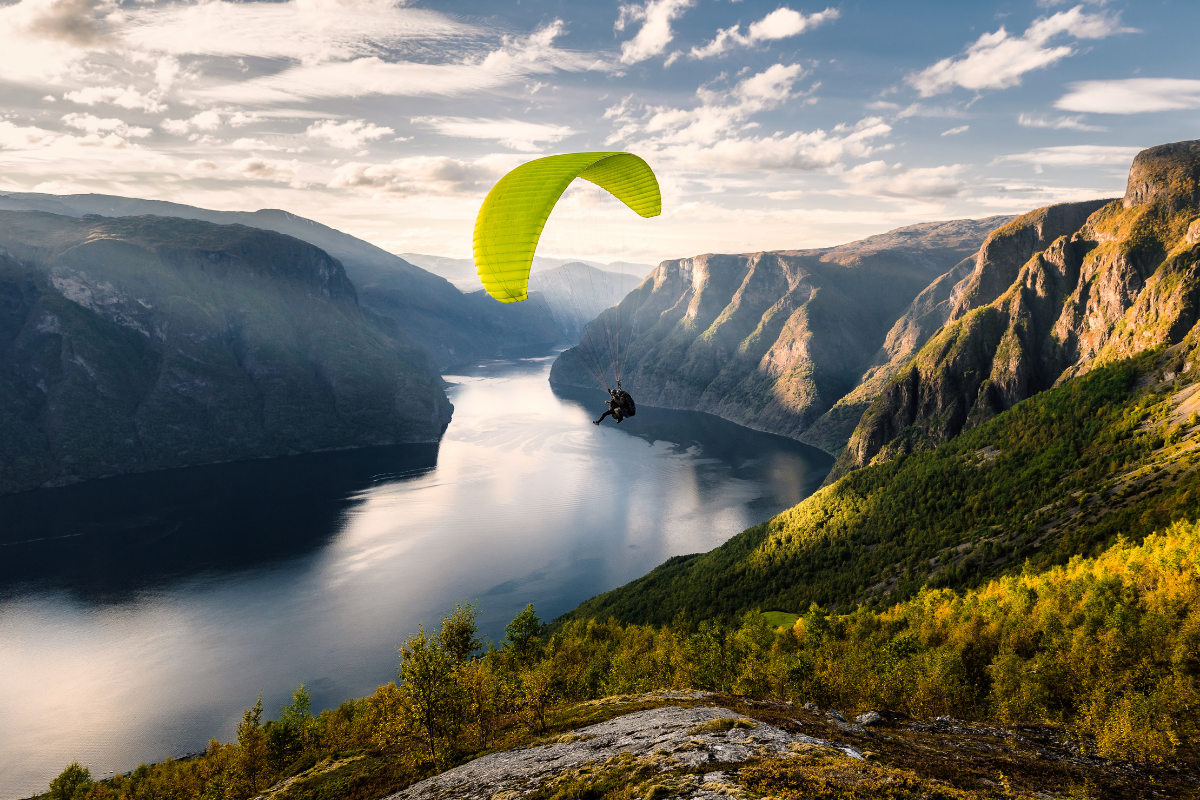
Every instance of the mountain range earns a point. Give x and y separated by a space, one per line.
138 343
775 340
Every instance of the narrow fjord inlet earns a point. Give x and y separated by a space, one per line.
178 596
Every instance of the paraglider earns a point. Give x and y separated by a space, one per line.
620 405
510 223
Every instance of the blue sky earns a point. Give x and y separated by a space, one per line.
770 125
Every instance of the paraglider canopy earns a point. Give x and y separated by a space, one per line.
511 219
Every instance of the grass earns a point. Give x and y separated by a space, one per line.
780 619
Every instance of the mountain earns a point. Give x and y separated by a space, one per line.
461 271
575 294
140 343
450 326
1052 294
773 340
1055 411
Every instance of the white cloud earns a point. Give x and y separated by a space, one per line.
779 24
711 134
419 176
519 135
1131 96
878 179
32 138
308 31
93 124
514 59
123 96
349 135
1074 156
655 34
1058 123
998 60
956 131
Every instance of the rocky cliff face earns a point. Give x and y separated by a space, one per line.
450 326
144 343
1051 294
772 340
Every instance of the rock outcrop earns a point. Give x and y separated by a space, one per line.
772 340
143 343
658 741
1052 294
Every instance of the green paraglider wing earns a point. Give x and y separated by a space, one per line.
511 219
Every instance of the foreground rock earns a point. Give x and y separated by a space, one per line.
645 744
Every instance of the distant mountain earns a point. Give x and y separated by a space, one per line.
773 340
451 326
461 271
576 294
1051 295
140 343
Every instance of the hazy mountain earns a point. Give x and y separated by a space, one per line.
461 271
142 343
773 340
451 326
1051 295
575 294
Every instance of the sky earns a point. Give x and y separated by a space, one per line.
770 125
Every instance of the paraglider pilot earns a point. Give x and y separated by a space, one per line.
620 405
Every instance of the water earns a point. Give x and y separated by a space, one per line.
139 615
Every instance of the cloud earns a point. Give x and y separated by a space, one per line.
718 113
1074 156
514 59
878 179
349 135
655 34
1131 96
779 24
32 138
711 134
268 169
418 176
1058 123
93 124
307 31
998 60
956 131
519 135
75 22
123 96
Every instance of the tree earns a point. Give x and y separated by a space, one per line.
287 738
252 750
521 635
459 631
72 783
434 702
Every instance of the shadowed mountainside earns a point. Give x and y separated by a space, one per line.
773 340
451 326
142 343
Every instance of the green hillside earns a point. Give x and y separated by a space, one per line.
1060 474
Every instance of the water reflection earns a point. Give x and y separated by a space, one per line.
139 615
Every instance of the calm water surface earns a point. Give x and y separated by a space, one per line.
139 615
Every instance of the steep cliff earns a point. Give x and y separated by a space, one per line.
450 326
1051 295
772 340
143 343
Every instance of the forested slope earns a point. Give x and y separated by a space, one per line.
1060 474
